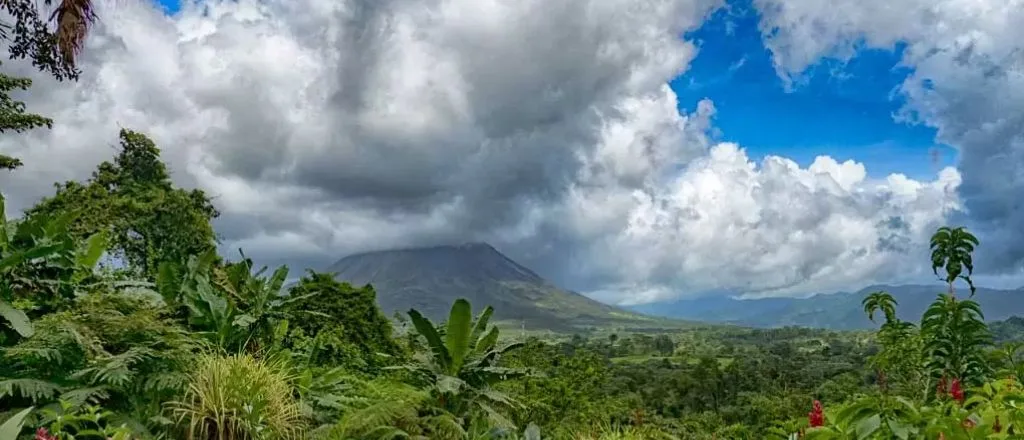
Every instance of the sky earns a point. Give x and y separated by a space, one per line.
635 151
846 115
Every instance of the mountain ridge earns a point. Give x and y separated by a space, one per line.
837 311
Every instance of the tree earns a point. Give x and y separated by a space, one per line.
148 219
13 116
30 36
346 320
664 345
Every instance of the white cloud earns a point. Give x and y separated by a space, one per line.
771 229
968 82
326 127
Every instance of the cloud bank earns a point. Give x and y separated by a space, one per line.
327 127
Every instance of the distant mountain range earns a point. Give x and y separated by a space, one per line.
838 311
430 279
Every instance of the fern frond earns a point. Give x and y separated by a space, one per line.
115 370
165 381
32 389
360 423
85 396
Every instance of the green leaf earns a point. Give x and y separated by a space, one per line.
17 319
487 342
243 321
10 429
30 254
458 333
277 279
480 326
865 428
450 384
900 430
426 329
94 247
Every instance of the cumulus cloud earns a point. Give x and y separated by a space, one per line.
773 228
327 127
968 82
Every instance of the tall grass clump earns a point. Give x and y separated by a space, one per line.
239 397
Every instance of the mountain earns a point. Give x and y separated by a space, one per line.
430 279
839 311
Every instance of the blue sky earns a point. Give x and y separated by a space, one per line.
170 5
846 116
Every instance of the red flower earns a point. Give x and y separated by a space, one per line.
956 391
817 416
43 434
997 427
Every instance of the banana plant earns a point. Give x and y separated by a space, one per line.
461 367
258 299
190 291
234 306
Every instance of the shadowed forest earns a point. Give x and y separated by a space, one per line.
120 320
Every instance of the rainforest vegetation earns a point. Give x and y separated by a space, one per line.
120 320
